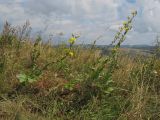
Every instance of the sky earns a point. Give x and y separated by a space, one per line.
89 18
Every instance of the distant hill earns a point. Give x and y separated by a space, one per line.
146 47
126 49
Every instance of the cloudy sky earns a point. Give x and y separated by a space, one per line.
90 18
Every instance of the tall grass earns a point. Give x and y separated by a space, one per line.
40 81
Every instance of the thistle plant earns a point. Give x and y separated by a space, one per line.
67 52
36 70
102 76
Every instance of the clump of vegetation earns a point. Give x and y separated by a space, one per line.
44 82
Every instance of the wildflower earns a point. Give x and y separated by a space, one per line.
124 23
72 40
134 13
71 54
126 28
120 28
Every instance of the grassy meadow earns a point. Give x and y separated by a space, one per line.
39 81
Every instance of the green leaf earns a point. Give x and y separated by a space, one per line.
22 77
25 78
109 90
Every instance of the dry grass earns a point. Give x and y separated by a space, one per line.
75 87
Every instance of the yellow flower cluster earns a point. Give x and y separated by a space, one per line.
124 23
72 40
71 54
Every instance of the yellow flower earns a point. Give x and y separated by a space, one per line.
124 23
72 40
71 54
126 28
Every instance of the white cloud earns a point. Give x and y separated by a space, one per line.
90 17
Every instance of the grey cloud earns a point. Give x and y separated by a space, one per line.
47 7
90 17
